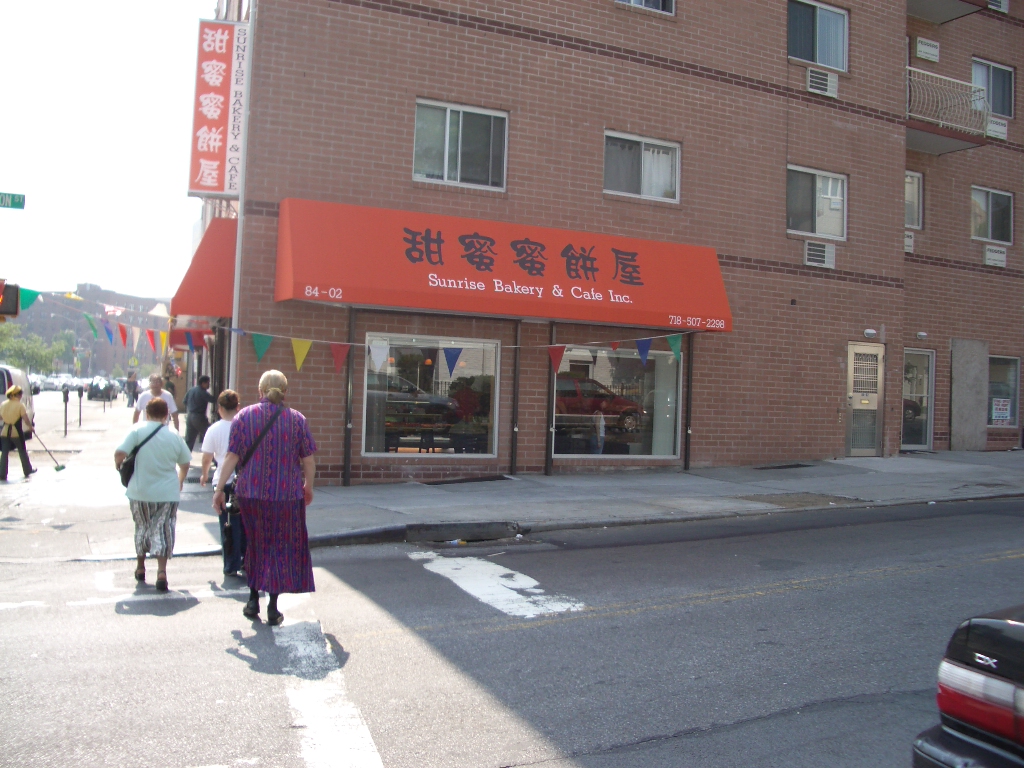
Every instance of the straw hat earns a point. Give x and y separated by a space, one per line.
14 390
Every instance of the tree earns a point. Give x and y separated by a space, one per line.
29 352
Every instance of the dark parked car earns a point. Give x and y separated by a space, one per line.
980 697
101 389
911 409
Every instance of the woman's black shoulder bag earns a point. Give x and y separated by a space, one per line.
127 468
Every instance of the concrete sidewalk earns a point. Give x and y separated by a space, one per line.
81 512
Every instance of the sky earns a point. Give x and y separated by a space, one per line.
95 117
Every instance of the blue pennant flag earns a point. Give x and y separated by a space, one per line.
643 346
109 331
188 338
451 356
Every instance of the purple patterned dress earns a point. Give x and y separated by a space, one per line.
269 491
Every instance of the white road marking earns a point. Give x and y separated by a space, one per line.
509 591
334 734
26 604
104 581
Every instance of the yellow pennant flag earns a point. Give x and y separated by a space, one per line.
163 342
300 347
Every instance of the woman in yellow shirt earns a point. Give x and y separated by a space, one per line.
12 432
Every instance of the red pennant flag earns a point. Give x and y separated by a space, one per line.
151 338
340 354
555 352
123 330
614 345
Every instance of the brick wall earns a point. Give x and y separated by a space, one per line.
334 89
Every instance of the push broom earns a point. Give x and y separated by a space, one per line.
59 466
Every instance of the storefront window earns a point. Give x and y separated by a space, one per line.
607 402
427 396
1002 391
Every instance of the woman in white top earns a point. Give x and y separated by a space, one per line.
215 446
155 489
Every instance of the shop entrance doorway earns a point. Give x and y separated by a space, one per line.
918 367
864 396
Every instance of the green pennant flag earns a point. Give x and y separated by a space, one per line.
27 298
92 324
675 343
261 343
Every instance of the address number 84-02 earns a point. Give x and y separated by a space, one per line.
710 323
313 291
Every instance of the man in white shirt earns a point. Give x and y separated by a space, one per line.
156 389
215 446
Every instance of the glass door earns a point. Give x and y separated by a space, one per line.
918 367
864 391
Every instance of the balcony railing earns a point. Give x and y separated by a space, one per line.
946 102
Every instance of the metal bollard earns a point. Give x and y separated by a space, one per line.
79 405
64 391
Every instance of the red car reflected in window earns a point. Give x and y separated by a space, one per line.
582 397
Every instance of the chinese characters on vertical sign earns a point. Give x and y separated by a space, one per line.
219 117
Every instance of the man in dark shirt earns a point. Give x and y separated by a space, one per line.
196 401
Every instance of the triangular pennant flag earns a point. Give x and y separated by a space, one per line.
136 334
188 340
614 345
151 338
163 342
109 331
451 356
300 348
123 331
643 346
555 352
239 331
675 343
379 354
261 343
340 354
27 298
92 325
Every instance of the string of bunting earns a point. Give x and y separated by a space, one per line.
339 351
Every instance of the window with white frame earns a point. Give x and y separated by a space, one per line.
997 81
1003 381
815 203
818 33
912 195
641 167
665 6
991 215
460 145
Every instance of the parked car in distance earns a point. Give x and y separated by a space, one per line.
37 383
10 375
911 409
576 396
980 697
101 389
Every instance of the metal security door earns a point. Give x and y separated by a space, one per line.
865 396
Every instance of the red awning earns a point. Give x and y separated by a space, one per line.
346 254
178 339
208 287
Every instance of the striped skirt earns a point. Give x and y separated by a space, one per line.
277 546
154 526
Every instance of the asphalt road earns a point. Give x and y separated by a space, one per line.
799 639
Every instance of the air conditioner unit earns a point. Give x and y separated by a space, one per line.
820 255
825 83
1003 6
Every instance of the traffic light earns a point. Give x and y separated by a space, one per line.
9 300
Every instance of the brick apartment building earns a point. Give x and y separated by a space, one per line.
854 167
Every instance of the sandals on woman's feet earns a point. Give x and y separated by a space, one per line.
274 617
161 582
140 575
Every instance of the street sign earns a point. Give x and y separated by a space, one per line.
8 200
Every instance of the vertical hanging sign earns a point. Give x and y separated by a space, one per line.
218 119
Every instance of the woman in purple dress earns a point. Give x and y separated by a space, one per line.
273 488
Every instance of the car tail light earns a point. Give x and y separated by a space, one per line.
986 702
